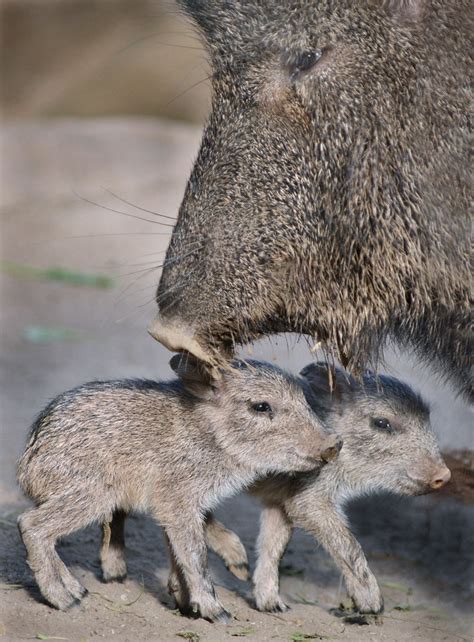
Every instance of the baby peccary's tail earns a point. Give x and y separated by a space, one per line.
228 546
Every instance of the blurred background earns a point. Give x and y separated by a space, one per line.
89 58
98 97
103 103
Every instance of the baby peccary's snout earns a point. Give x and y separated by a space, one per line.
441 479
106 448
333 449
432 481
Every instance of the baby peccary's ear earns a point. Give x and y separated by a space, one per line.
327 382
194 374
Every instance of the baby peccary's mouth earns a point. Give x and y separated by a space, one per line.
302 462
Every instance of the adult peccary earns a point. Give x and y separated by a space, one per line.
174 449
330 194
388 446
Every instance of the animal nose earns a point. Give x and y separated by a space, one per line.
440 479
178 338
332 451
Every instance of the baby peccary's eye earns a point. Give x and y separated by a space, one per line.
262 406
380 423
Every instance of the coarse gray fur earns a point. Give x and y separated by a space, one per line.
331 192
174 449
405 460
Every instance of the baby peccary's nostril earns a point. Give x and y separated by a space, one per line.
441 478
332 451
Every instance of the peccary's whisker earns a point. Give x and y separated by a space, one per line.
158 42
164 294
138 207
93 236
143 272
196 246
177 259
129 265
111 209
193 86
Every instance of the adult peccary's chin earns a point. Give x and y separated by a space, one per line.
330 193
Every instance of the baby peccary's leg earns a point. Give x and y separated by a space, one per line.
112 553
273 538
228 546
177 587
329 528
40 528
188 545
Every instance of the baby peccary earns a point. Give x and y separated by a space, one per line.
388 446
173 449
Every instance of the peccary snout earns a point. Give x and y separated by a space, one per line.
325 451
178 337
433 479
441 479
333 449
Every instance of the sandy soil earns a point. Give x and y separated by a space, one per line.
420 549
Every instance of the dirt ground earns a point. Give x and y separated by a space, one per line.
76 294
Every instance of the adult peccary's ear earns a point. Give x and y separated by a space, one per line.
328 382
404 10
207 15
195 374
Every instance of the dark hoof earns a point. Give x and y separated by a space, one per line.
114 578
187 610
274 607
279 608
354 616
72 605
224 617
193 611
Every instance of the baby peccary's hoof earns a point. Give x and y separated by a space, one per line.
114 567
275 605
59 587
219 615
59 597
108 576
241 570
223 616
349 612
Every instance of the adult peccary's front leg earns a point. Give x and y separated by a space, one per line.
275 533
328 526
187 544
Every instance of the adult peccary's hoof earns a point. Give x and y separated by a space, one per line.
218 615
